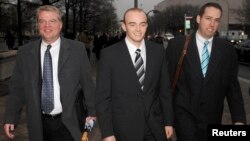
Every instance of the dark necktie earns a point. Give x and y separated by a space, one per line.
47 83
204 58
139 67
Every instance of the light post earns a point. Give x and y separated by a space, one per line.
187 23
154 11
136 4
20 33
147 14
227 14
111 6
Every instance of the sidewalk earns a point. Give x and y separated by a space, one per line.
245 85
95 135
3 46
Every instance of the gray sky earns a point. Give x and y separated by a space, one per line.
123 5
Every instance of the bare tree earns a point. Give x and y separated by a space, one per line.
8 16
45 2
244 13
49 2
172 19
89 15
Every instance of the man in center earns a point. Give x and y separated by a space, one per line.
133 95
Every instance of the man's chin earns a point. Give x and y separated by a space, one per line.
138 39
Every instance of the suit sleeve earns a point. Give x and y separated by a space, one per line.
103 96
173 54
87 84
15 99
169 58
234 94
165 94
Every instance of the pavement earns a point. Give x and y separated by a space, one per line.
3 47
95 135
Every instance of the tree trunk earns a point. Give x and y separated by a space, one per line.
20 37
46 2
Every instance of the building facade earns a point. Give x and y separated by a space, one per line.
230 19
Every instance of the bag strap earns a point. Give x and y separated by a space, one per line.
179 65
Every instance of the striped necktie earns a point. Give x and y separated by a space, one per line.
47 83
204 58
139 67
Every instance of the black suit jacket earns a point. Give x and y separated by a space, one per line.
199 101
73 74
122 108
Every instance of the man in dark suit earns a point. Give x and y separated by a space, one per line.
47 77
208 75
133 99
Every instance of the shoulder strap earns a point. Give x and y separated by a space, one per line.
180 62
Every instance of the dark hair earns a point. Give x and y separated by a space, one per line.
209 4
132 9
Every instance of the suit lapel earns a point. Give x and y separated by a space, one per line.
128 63
35 70
193 59
214 59
63 54
149 65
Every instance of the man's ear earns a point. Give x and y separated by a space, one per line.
198 19
123 26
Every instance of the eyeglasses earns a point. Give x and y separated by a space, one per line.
49 22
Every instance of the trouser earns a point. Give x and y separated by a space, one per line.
54 129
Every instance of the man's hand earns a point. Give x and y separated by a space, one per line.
238 123
90 118
169 131
89 124
110 138
9 130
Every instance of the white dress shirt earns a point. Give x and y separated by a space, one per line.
54 51
200 44
132 48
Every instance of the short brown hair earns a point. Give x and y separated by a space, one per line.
209 4
132 9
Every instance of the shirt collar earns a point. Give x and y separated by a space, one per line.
132 48
202 40
56 43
